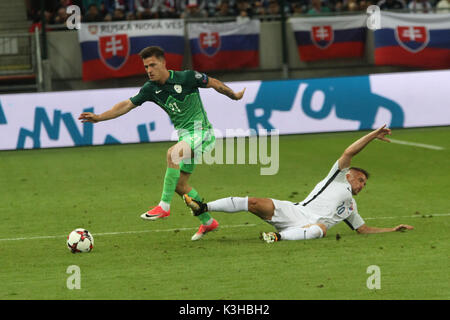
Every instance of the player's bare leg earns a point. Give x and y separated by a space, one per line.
208 223
261 207
175 155
183 186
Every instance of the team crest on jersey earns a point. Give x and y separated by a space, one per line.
178 88
209 43
322 36
412 38
114 50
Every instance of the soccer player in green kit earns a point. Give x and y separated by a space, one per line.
177 93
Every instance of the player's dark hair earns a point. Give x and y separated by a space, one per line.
152 51
362 171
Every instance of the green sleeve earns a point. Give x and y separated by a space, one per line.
145 94
196 79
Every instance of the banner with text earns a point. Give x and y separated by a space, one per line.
111 49
412 99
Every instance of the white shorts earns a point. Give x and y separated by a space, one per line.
287 215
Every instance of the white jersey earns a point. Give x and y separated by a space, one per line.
331 201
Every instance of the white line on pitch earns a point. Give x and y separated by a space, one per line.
127 232
415 144
229 226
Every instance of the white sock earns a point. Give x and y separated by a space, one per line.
164 205
230 204
312 232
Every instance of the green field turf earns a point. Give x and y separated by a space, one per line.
47 193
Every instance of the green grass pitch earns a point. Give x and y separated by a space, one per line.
47 193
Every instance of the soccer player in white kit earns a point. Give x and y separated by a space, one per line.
330 202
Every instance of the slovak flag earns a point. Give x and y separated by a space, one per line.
417 40
321 38
114 50
221 46
111 49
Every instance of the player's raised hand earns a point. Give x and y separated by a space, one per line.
381 133
88 117
239 95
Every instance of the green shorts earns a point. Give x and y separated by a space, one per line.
201 141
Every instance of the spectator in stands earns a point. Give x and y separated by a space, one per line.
212 7
63 4
60 16
287 6
391 5
224 9
92 14
147 9
193 9
169 9
338 6
443 6
297 9
98 3
119 10
37 23
273 11
273 8
353 6
243 6
422 6
118 15
317 8
34 10
258 8
200 4
364 4
242 17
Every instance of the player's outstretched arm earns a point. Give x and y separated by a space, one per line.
364 229
358 145
116 111
220 87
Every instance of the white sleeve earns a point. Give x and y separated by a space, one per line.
336 174
354 220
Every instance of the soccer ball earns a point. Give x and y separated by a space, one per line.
80 240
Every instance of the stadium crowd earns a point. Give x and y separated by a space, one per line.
118 10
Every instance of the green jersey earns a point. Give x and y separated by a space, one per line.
179 98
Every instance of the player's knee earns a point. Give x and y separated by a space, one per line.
170 155
261 207
252 204
178 152
174 155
